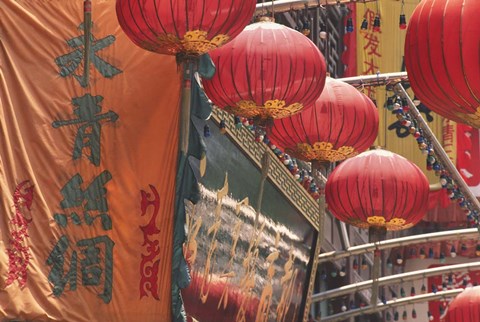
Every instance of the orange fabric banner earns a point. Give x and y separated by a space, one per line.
87 167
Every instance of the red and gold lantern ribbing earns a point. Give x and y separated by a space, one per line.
188 27
378 189
442 55
269 71
342 123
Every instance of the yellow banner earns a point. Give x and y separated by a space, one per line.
87 167
450 139
382 52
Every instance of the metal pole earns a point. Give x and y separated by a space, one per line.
439 151
375 80
387 280
185 98
87 41
394 303
458 234
375 277
287 5
264 175
318 246
346 240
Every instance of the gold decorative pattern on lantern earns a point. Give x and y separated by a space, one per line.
272 109
471 119
194 42
376 221
379 221
322 151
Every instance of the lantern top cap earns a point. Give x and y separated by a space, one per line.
464 302
266 19
266 24
380 152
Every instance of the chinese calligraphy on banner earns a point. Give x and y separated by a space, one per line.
87 167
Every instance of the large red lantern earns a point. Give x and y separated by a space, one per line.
342 123
442 58
268 71
378 189
465 307
191 27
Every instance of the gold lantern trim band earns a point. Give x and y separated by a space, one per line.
379 221
471 119
323 151
271 109
194 43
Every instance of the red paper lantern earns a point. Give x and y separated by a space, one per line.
268 71
465 307
378 188
342 124
442 58
192 27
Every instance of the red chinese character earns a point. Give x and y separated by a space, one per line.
371 68
372 44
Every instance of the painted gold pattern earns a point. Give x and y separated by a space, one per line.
322 151
194 42
471 119
379 221
271 109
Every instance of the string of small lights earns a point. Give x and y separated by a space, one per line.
399 106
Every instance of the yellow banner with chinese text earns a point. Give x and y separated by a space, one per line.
87 167
380 49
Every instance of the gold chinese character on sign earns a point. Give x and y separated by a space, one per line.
209 263
229 273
